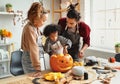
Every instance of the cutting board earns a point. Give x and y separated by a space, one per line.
25 79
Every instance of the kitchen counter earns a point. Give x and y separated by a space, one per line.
92 77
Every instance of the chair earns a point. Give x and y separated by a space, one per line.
117 57
15 63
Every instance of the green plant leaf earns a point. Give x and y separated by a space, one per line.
117 45
8 5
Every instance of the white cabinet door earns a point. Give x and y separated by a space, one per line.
5 52
98 5
109 39
111 4
98 38
105 23
111 19
99 20
118 17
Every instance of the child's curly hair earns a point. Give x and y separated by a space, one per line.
51 28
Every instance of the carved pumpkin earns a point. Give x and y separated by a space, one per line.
61 62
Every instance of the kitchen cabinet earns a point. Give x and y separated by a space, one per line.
105 18
5 51
15 16
5 54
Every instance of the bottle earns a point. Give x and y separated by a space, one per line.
99 63
85 76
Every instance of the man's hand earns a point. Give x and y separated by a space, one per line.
81 54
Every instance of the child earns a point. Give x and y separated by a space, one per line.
55 44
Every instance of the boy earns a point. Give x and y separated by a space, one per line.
55 44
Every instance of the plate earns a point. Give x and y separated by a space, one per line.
91 77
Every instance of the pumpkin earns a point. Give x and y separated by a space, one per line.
61 62
112 59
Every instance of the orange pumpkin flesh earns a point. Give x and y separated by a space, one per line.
61 63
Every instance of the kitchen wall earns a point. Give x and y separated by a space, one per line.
6 21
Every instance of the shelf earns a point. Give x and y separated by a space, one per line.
2 44
4 60
5 75
9 13
59 11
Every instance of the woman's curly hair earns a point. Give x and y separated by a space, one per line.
51 28
36 11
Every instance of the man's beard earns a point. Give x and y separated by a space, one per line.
70 27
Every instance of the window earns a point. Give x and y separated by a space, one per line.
105 23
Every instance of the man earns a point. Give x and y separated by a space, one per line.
73 29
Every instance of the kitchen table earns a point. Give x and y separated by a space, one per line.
26 79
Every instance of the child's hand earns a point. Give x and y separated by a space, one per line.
65 51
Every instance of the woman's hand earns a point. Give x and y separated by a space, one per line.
35 74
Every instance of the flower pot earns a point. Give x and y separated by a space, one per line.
9 9
3 40
117 49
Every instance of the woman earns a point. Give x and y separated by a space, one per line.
31 39
73 29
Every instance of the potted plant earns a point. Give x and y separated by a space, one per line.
4 34
117 47
9 7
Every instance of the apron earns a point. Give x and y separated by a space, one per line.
26 62
57 48
75 38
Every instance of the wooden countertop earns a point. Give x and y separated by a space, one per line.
26 79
